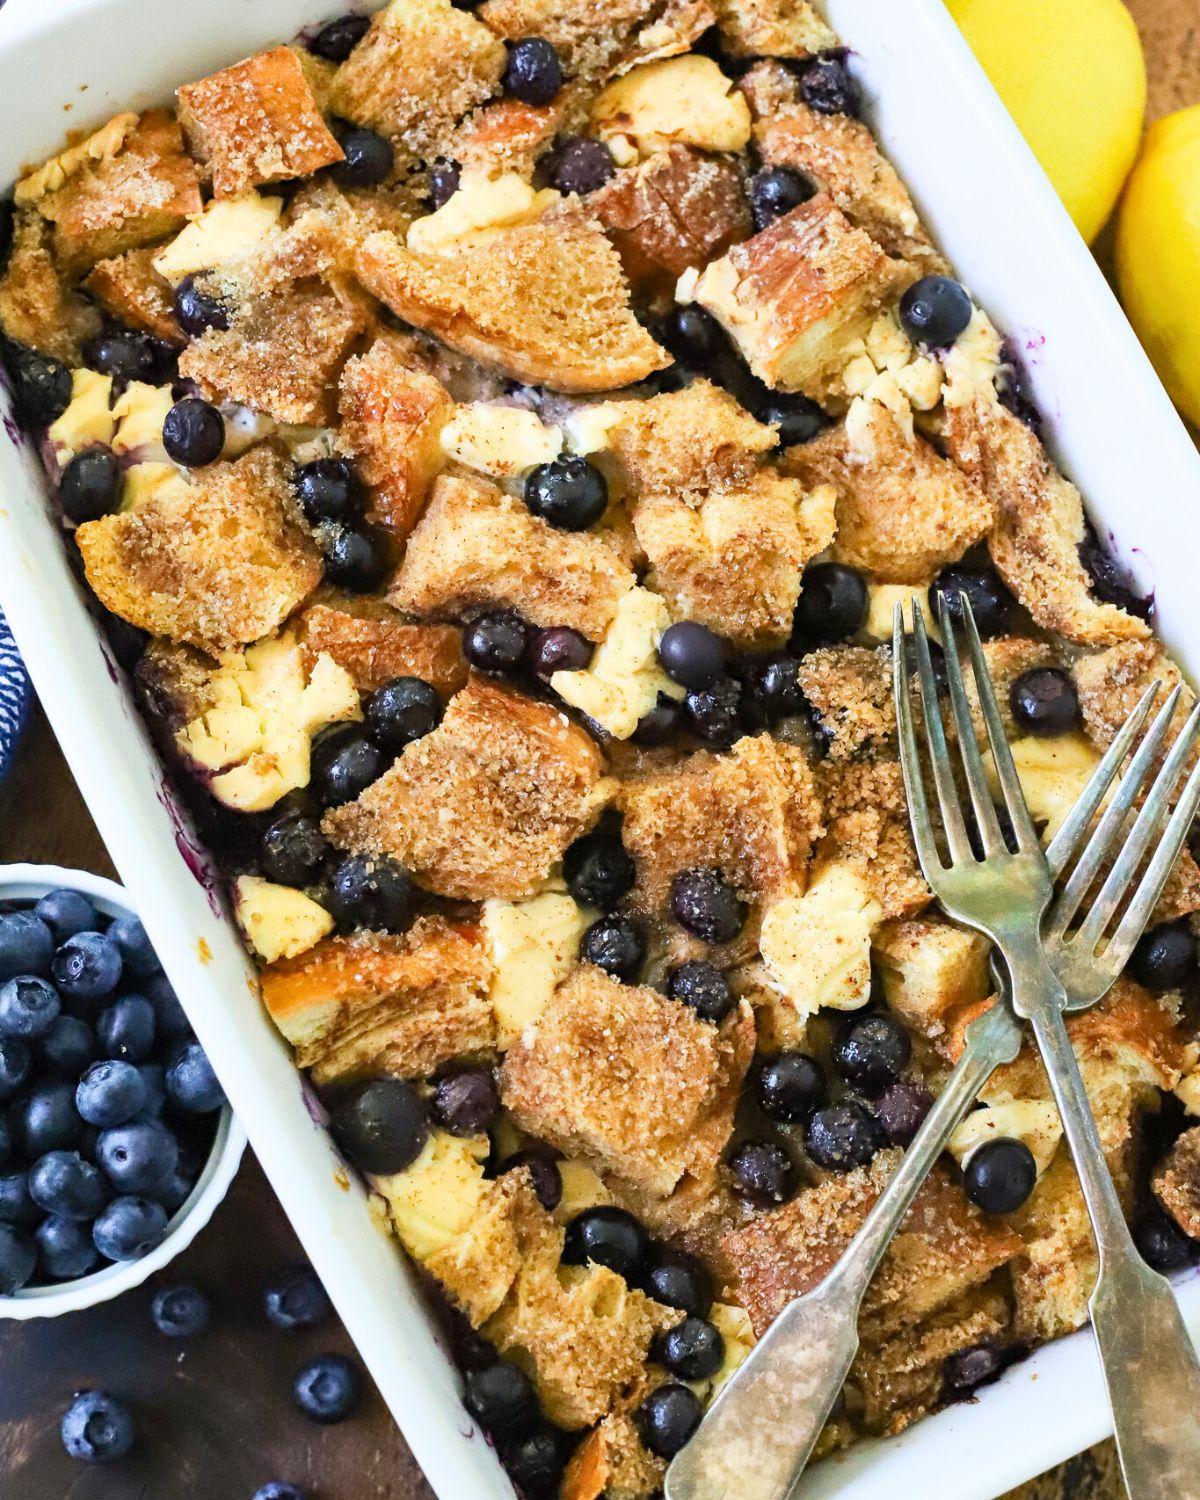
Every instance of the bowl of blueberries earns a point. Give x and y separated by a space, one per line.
116 1141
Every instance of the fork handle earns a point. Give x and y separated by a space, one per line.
756 1439
1150 1366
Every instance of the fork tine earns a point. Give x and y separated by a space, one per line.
1063 845
939 754
1098 847
968 742
1144 831
910 756
1006 771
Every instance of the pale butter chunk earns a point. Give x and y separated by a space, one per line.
435 1200
481 206
257 733
677 101
882 599
1034 1121
503 441
151 481
101 145
1053 773
140 412
972 362
278 920
87 419
226 230
532 945
817 947
624 679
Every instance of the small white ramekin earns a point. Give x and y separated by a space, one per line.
28 883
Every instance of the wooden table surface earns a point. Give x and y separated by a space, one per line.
215 1414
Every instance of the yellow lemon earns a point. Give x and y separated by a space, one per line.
1158 254
1073 77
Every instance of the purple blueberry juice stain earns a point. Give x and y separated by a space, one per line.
317 1112
199 862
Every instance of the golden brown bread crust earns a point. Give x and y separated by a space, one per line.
850 687
1176 1182
257 122
506 135
128 287
1110 683
590 35
544 302
475 547
485 804
612 1461
375 643
628 1081
219 567
35 308
868 829
772 28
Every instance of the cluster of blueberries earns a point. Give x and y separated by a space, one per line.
109 1101
99 1428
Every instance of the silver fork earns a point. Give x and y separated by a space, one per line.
755 1441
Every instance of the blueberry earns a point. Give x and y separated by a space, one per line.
798 419
1044 702
126 1029
344 764
1165 957
661 723
496 642
328 1389
871 1052
842 1136
41 385
827 87
138 1156
667 1418
1163 1245
371 891
5 1141
294 851
693 1349
935 311
465 1102
712 713
501 1398
44 1119
678 1279
703 987
86 966
381 1126
170 1019
110 1093
97 1428
533 73
616 945
174 1191
789 1086
130 1228
196 311
559 649
901 1108
154 1080
193 432
356 559
1000 1175
775 191
26 945
1110 580
569 492
123 354
278 1489
328 489
181 1312
609 1237
65 1248
991 603
770 688
535 1461
967 1369
691 654
401 711
369 161
295 1298
65 912
580 164
763 1173
444 178
192 1085
62 1183
90 488
338 39
693 335
542 1165
707 905
18 1259
832 605
28 1007
15 1065
16 1206
598 869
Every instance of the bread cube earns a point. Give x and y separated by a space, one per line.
589 35
422 66
850 687
673 101
1176 1182
613 1461
795 294
375 643
475 546
506 135
129 287
772 28
216 567
868 830
257 122
930 967
628 1081
35 307
485 804
1111 682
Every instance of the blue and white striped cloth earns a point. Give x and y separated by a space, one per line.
15 695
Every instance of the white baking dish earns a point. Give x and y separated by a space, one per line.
67 63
